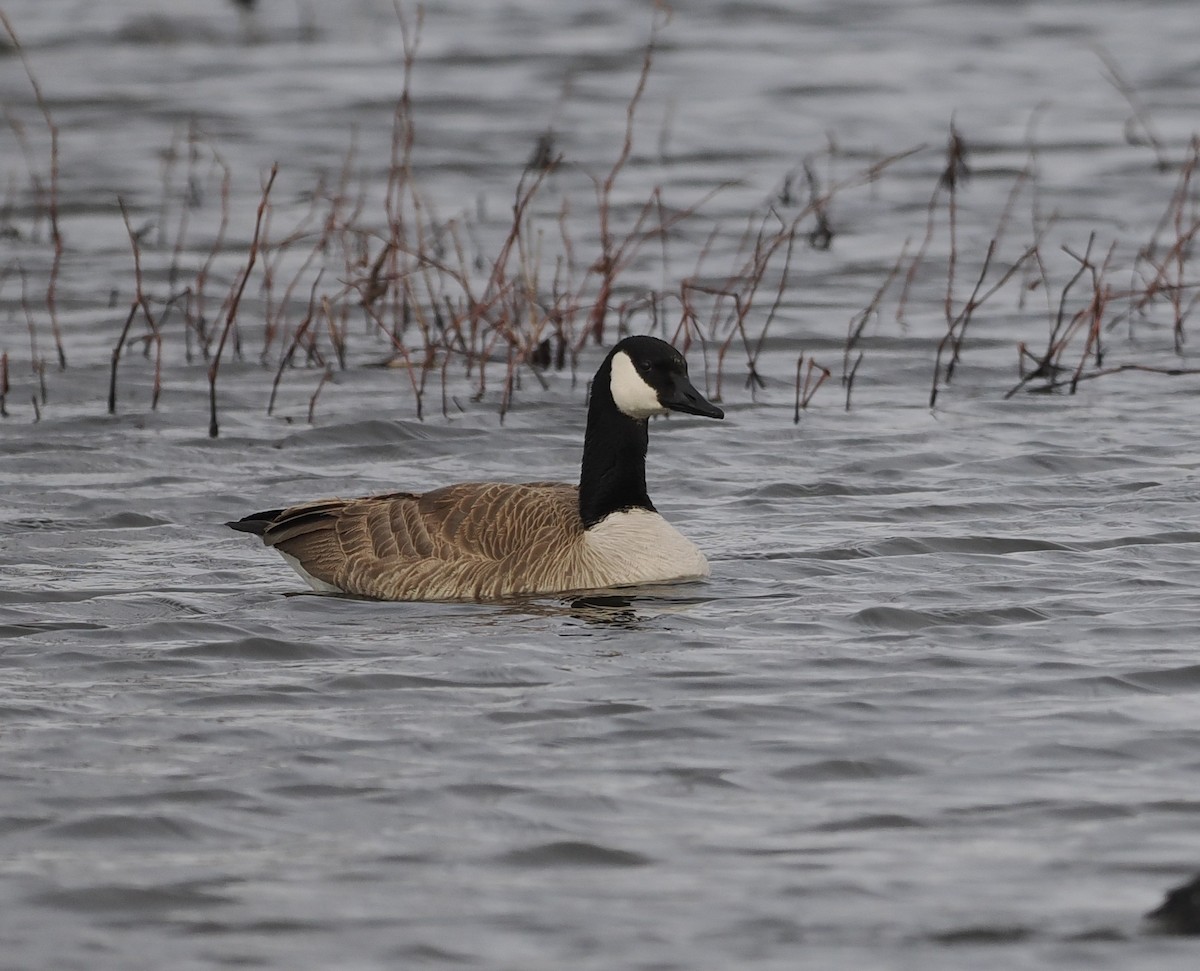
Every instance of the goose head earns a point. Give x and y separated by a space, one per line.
648 376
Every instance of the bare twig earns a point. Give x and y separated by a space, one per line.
806 386
51 194
859 321
606 265
1140 119
139 303
235 300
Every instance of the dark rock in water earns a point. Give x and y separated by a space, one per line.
1180 912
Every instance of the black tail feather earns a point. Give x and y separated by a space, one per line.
256 523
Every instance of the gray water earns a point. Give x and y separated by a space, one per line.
936 707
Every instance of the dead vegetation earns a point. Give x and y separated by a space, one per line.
365 273
1081 311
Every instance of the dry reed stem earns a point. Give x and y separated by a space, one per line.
859 321
1047 366
337 333
1039 224
180 237
196 317
1101 294
752 378
1148 369
37 362
957 329
821 236
740 309
807 387
606 265
139 303
274 314
954 170
1168 276
1089 319
849 381
170 157
957 323
51 194
751 280
116 356
741 287
399 187
1140 116
30 323
326 375
963 320
799 368
298 335
235 299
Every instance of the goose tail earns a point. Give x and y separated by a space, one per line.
257 523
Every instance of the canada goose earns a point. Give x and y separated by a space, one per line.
490 540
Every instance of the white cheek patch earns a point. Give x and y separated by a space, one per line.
633 396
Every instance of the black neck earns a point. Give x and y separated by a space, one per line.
613 477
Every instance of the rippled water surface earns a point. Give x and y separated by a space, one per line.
937 705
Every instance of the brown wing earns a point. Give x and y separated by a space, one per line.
464 542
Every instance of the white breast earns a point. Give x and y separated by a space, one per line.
639 546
